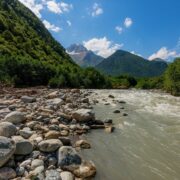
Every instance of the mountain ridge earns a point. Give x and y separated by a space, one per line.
124 62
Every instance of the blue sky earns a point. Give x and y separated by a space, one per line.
150 28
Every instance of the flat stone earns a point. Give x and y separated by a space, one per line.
28 99
55 102
15 117
7 129
23 146
7 173
49 145
7 149
83 115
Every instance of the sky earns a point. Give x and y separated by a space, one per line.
148 28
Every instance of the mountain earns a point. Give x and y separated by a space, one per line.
82 56
123 62
30 56
23 34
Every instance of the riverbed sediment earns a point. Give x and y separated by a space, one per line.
40 133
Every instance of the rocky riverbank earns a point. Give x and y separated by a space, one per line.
40 134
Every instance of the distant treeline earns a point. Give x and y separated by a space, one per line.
169 81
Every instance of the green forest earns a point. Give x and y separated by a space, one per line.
30 56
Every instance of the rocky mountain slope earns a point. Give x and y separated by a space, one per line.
82 56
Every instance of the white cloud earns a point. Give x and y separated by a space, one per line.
164 54
133 52
97 10
102 46
33 6
51 27
128 22
69 23
58 8
119 29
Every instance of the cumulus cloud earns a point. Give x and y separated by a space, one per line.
128 22
37 5
58 8
97 10
51 27
33 6
164 54
119 29
69 23
102 46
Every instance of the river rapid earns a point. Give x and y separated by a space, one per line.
145 144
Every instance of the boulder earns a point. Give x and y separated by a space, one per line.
85 170
68 156
7 129
53 175
7 149
49 145
65 175
28 99
23 146
15 117
83 144
83 115
7 173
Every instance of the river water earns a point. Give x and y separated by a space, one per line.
145 144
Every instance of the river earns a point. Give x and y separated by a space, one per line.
145 144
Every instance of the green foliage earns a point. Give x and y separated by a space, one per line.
122 62
123 81
29 55
172 78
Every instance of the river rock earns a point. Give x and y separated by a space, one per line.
15 117
52 95
53 175
85 170
7 173
28 99
26 133
111 96
52 135
116 111
7 129
83 115
83 144
49 145
20 171
55 102
68 156
7 149
36 163
23 146
65 175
